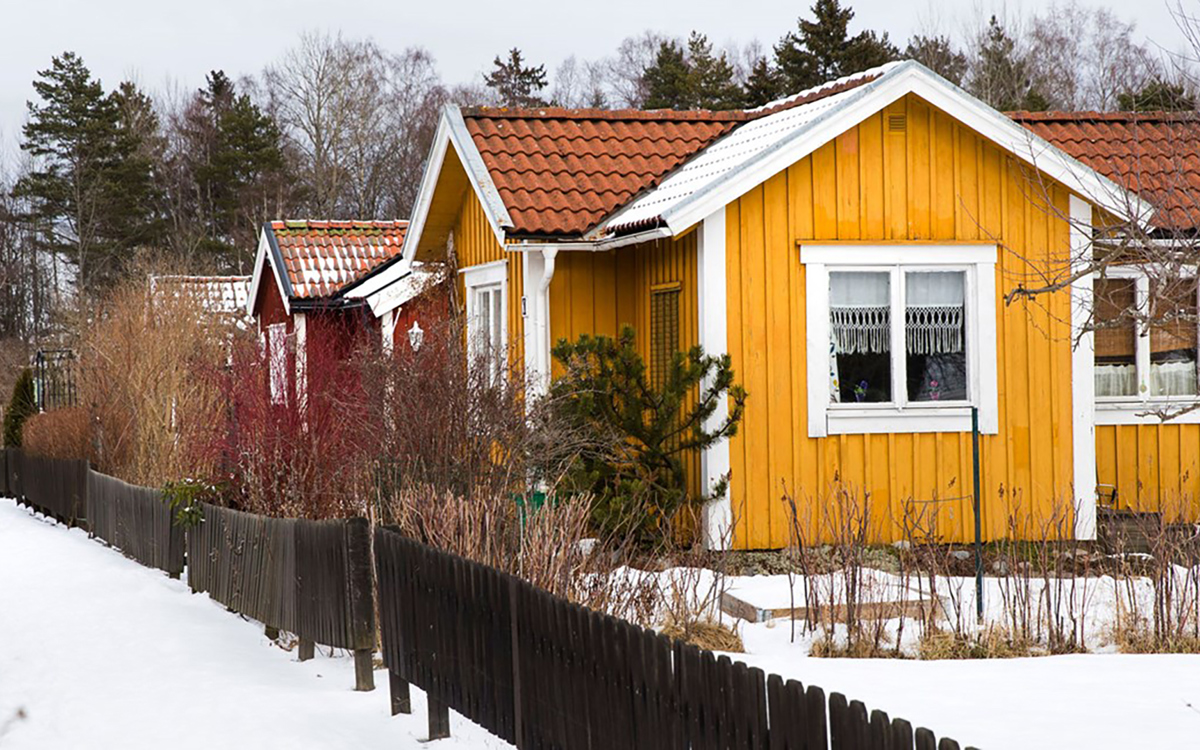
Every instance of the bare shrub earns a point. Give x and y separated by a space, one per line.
61 433
142 401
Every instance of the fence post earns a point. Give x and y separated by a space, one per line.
401 700
362 601
307 648
439 718
518 723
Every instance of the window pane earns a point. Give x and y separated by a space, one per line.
1116 337
1173 337
860 332
482 335
935 335
497 323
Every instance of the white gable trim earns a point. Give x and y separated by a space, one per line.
451 131
264 255
907 78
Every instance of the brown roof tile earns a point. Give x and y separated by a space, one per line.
1154 154
322 257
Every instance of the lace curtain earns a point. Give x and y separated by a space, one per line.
934 312
860 312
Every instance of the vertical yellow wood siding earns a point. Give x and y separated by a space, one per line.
475 244
600 293
1152 467
934 181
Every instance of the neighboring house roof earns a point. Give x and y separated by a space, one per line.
419 278
1155 154
221 295
315 260
322 257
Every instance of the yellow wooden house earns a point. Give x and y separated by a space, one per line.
850 247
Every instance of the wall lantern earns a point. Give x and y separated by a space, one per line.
415 336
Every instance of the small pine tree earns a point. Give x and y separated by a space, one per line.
763 84
1001 77
515 83
21 407
668 80
710 77
939 55
1157 96
639 484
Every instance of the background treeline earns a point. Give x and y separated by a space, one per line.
340 127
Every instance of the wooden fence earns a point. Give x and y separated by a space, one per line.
52 486
311 578
136 520
541 672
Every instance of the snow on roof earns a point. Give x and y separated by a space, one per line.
221 295
741 146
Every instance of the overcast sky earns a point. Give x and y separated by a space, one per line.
161 41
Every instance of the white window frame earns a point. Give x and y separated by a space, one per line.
1138 408
486 278
978 263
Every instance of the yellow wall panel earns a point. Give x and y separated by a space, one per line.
934 181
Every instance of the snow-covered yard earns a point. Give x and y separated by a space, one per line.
100 652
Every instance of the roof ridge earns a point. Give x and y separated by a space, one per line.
1089 114
592 113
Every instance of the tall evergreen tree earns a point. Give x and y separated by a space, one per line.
515 83
691 79
1002 76
237 163
711 80
939 55
667 81
763 84
822 49
1157 96
90 194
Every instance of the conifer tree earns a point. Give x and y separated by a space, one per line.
1002 77
668 80
763 84
515 83
90 194
711 81
822 49
656 422
939 55
21 407
1157 96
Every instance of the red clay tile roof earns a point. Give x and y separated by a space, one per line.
322 257
561 171
1154 154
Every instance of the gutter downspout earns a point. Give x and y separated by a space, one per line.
549 256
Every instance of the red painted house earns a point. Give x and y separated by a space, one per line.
305 288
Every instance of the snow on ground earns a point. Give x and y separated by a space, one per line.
100 652
1096 700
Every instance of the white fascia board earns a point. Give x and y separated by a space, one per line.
264 255
907 78
1083 393
451 131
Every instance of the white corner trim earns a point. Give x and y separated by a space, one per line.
714 338
300 327
264 255
979 263
1083 379
387 328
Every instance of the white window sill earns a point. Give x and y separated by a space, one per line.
1139 412
883 420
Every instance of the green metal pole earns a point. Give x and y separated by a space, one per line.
978 520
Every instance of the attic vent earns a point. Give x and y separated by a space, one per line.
897 123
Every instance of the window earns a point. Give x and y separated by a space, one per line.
1139 369
904 335
277 362
487 326
664 332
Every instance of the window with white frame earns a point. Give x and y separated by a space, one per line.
487 316
1137 366
900 338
